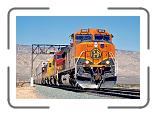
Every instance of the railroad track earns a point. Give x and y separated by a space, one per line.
124 93
118 92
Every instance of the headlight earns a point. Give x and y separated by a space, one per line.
107 62
87 62
95 44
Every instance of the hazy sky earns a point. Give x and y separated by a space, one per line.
57 29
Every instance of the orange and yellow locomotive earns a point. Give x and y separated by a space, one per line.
88 62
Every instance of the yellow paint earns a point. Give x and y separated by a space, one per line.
50 68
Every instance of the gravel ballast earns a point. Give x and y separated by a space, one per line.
55 93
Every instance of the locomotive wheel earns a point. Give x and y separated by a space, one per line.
42 82
50 82
46 81
55 81
72 81
60 79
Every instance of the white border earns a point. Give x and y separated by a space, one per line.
80 103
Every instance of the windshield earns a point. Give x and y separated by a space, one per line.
102 37
83 38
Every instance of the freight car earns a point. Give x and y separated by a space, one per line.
88 62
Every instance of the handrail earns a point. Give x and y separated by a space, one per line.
79 56
113 57
77 62
115 62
